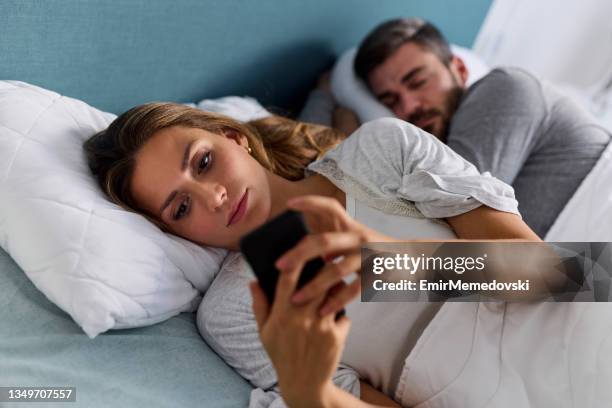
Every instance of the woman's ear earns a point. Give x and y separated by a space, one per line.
236 136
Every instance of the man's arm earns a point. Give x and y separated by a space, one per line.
345 120
321 108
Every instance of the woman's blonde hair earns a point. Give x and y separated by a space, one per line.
281 145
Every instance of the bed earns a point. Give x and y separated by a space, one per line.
118 54
165 365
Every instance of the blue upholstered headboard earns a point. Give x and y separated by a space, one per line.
114 54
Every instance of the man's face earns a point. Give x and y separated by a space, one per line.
419 88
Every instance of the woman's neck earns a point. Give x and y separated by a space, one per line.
282 190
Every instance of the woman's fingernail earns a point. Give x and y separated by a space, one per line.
298 297
281 263
325 310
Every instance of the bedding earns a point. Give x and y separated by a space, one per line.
492 354
165 365
352 92
106 267
588 214
240 108
487 354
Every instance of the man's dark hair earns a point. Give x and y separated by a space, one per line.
385 39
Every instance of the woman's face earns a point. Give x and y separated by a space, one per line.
203 186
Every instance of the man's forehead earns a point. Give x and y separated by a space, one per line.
406 58
411 54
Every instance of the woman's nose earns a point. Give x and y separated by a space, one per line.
213 195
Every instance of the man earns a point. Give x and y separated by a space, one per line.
508 123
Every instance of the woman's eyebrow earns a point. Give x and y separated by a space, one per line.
186 156
184 165
167 203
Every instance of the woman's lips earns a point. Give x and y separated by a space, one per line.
240 210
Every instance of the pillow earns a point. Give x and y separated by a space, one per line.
352 92
106 267
243 109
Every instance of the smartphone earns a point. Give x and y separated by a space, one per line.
263 246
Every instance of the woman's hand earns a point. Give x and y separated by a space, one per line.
337 238
304 347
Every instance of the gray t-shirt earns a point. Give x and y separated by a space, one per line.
529 135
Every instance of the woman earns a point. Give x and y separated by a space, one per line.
212 180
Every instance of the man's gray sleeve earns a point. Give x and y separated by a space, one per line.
529 135
497 124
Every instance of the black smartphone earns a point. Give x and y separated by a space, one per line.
263 246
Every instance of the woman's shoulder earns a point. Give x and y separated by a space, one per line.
378 137
227 324
390 142
380 123
385 130
373 158
380 149
391 139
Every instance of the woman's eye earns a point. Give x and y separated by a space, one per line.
204 162
182 210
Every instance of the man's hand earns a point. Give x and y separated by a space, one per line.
345 119
324 82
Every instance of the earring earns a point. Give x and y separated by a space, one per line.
249 150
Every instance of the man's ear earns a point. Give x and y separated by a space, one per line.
459 69
236 136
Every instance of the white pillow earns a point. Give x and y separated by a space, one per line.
243 109
350 91
106 267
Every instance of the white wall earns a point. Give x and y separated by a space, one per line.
566 41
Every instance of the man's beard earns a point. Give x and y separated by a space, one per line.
453 97
452 103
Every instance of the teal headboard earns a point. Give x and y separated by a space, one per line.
118 53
